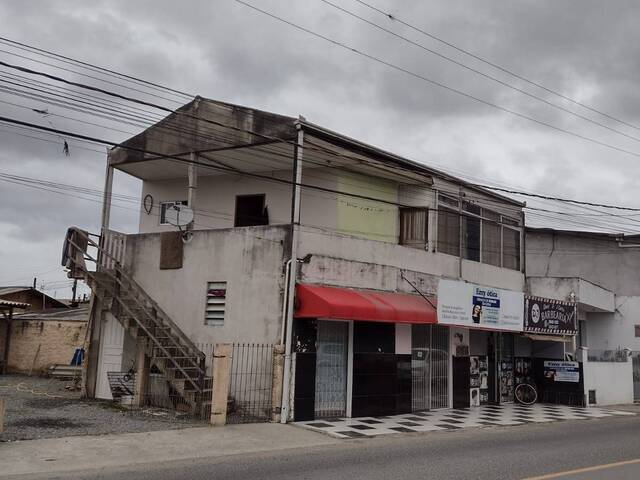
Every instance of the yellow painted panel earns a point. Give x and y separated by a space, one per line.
367 218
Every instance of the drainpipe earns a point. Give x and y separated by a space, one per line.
293 266
622 244
461 234
287 269
193 187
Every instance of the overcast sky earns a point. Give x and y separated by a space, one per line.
587 50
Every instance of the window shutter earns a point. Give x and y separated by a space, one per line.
216 303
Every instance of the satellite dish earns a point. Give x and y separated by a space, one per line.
178 215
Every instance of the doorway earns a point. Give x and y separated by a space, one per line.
331 369
429 367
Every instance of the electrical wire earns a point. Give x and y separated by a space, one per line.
395 18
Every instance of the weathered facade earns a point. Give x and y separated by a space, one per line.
599 272
282 206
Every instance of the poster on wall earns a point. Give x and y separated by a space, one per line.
543 315
460 342
478 380
470 305
560 371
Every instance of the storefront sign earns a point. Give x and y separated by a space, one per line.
543 315
559 371
469 305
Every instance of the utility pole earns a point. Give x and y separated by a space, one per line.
73 290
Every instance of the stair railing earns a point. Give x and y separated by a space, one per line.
118 281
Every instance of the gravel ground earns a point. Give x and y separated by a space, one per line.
44 408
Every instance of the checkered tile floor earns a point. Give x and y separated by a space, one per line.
451 419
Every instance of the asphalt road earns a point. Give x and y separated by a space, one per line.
534 450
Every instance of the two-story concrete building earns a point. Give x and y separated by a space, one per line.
308 238
598 271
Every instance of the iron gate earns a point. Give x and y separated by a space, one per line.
429 367
250 383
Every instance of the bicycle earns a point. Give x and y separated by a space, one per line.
526 393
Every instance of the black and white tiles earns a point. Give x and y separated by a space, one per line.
452 419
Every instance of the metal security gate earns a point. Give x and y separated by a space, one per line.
331 369
429 367
250 383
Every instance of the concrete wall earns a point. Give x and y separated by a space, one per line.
598 260
612 381
36 345
589 296
352 262
249 259
216 197
612 331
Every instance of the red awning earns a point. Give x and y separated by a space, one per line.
314 301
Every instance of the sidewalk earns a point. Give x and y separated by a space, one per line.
56 455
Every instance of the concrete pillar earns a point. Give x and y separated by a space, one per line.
142 372
221 377
276 382
1 414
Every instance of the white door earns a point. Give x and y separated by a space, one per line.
110 357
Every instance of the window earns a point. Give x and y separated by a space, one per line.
216 303
448 226
637 327
510 248
163 209
491 242
471 232
414 227
484 235
251 210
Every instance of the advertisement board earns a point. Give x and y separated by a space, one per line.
560 371
470 305
543 315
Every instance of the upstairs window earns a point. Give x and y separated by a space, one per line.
166 205
484 235
216 303
471 231
414 226
448 226
250 211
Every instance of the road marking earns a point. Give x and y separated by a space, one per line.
584 470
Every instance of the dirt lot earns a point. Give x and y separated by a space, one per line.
44 408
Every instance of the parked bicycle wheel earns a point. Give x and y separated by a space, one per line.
526 394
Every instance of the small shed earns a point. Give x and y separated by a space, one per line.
33 298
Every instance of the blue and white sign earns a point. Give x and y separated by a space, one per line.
469 305
560 371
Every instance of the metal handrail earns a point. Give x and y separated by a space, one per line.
155 320
130 279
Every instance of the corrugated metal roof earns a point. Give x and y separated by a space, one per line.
8 303
79 314
12 289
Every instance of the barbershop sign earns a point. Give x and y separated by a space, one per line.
543 315
469 305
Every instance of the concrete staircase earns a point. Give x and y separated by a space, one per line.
165 344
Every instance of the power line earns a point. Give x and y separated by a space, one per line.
395 18
155 106
477 72
284 181
435 82
143 102
90 66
